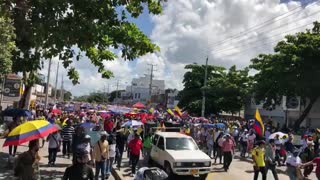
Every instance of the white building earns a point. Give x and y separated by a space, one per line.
139 90
281 113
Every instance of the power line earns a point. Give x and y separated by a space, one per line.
268 22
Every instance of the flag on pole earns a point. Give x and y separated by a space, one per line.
178 110
170 112
258 124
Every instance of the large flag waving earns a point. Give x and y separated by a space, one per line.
258 124
178 110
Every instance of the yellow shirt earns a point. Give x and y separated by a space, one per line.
102 151
258 154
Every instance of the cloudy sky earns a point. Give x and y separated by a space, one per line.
227 31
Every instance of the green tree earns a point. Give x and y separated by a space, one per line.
191 95
115 94
7 44
294 70
45 29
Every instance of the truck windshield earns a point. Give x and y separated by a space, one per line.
180 144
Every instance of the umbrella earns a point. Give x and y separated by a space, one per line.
56 111
95 136
132 123
220 125
29 131
281 135
87 126
16 113
139 105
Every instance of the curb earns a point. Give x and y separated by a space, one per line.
116 174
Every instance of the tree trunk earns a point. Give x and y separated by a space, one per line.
23 100
304 113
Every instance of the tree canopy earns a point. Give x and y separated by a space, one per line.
293 70
45 29
226 89
7 45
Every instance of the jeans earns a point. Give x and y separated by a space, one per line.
52 155
244 148
210 149
272 167
227 159
262 170
146 154
12 152
109 164
100 167
66 148
134 162
119 157
219 155
292 172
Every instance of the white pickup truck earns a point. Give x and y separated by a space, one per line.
178 154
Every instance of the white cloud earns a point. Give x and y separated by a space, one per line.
189 30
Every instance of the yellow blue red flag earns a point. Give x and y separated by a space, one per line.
258 124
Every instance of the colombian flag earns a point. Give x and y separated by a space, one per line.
258 124
178 110
170 112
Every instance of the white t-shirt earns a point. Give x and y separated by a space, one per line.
294 161
251 138
54 139
85 146
112 150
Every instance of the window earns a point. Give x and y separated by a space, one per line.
139 95
181 144
135 95
161 143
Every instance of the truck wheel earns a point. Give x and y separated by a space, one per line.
151 163
203 177
168 169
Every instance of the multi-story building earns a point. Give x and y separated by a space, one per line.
139 90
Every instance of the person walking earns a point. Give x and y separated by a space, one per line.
54 140
228 147
270 159
101 154
121 140
307 156
244 143
11 126
258 156
86 145
24 168
112 155
218 148
135 147
209 140
79 170
67 134
293 166
147 145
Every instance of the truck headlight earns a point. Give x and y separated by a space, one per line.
177 164
207 163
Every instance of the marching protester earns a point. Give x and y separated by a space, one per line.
135 146
100 155
244 143
67 134
270 158
293 166
121 140
258 156
79 170
147 145
86 145
54 147
228 148
112 154
25 168
307 156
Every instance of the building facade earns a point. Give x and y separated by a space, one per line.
139 90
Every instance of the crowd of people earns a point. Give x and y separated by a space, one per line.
220 139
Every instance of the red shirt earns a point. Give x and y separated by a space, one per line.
228 146
317 161
136 146
108 126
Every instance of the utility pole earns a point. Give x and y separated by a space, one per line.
117 90
203 91
104 93
56 85
47 85
151 77
61 90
